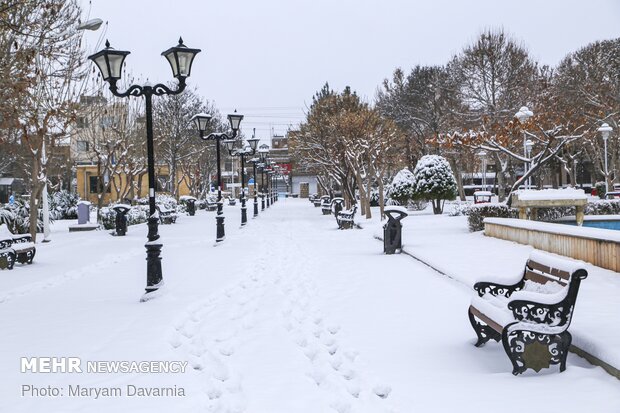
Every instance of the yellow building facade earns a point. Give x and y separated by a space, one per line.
87 184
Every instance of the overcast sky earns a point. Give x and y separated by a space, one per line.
268 57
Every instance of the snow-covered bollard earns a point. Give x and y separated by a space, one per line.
190 204
392 230
121 218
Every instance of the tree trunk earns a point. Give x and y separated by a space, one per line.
381 198
437 206
459 178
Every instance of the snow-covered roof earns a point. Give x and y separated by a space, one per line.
6 181
483 193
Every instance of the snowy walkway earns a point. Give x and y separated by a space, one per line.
288 315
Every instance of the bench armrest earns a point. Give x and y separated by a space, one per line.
551 314
22 238
495 289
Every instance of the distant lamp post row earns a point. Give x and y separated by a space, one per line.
242 153
255 162
202 121
605 130
263 152
110 64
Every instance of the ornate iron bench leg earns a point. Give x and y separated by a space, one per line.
26 257
567 339
7 260
483 331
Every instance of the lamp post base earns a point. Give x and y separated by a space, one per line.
244 212
262 203
154 278
255 207
220 235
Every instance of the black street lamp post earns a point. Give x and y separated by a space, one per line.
263 152
254 161
262 186
268 186
110 63
201 121
242 153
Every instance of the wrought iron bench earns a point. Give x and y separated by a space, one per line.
13 248
211 204
166 216
326 206
532 315
345 218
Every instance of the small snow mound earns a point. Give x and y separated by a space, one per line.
382 391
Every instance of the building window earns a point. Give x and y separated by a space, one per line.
94 185
82 146
82 122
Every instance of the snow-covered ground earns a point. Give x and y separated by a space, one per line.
445 243
289 314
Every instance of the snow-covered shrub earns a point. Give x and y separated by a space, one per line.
201 204
416 205
17 217
63 205
434 181
373 198
167 201
608 207
598 207
601 189
554 213
477 213
401 188
460 208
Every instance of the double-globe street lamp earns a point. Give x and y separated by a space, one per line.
201 120
110 64
242 153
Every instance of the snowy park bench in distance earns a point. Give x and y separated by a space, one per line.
13 248
211 204
326 205
166 216
532 315
345 218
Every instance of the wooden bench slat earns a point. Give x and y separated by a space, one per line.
539 278
488 321
543 268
